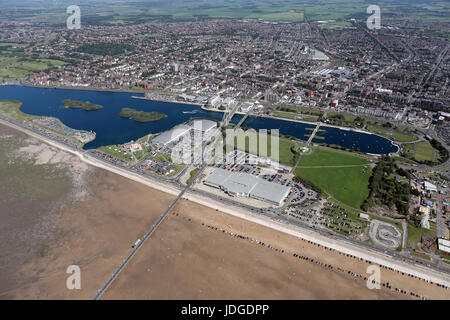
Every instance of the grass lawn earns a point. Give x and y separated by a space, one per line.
402 134
111 150
349 185
379 130
325 157
286 115
310 118
17 68
347 117
192 175
285 153
421 151
146 138
11 109
400 159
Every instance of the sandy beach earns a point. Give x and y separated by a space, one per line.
200 253
98 234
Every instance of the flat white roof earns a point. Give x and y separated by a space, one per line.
171 135
247 185
204 125
430 186
444 245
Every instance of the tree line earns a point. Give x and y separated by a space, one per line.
385 189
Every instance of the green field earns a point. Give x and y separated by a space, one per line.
421 151
348 185
347 117
18 68
400 134
380 130
120 12
192 175
114 151
325 157
286 115
11 109
285 153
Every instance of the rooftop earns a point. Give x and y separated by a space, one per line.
244 184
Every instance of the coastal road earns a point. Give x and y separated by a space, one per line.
270 219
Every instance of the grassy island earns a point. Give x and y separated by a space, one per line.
87 106
141 116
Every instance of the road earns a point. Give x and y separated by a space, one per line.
431 271
163 216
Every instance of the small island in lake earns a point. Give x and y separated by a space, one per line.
141 116
87 106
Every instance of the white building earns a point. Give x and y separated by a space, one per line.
247 185
246 106
172 135
214 102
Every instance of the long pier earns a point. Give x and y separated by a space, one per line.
161 218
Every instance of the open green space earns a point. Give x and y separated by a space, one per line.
345 117
344 120
192 175
286 115
322 156
288 148
146 138
11 109
400 134
349 185
380 130
115 152
403 134
114 12
420 151
323 167
15 67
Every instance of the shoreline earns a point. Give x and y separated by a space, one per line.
322 124
89 88
343 246
394 143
